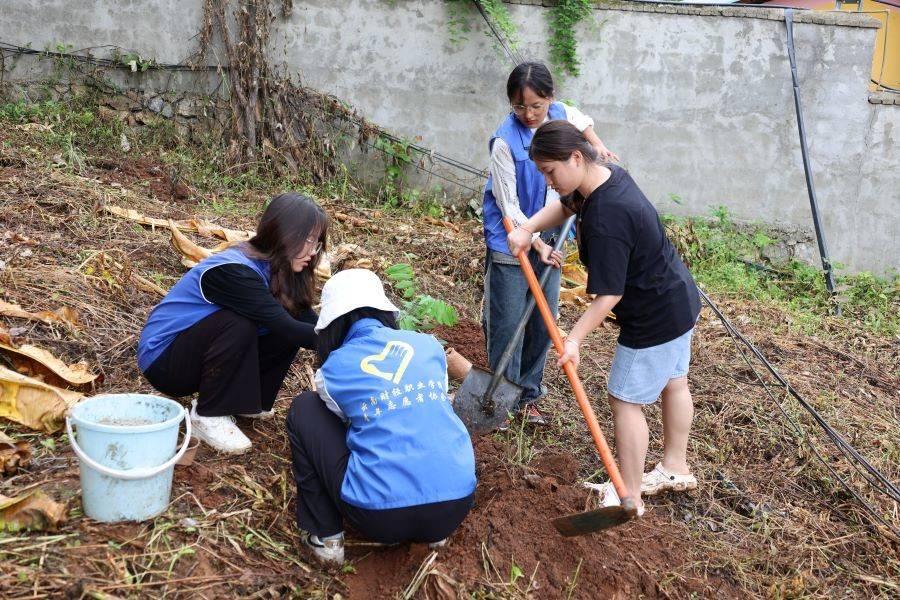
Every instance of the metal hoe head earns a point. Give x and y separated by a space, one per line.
595 520
479 413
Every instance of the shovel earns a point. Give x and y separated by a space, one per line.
601 518
484 400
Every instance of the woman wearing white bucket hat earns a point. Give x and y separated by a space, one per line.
377 444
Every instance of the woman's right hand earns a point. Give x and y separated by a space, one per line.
518 240
571 353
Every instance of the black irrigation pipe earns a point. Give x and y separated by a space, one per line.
15 49
889 488
109 63
845 447
848 450
807 167
513 54
412 164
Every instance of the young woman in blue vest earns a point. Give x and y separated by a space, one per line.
633 267
230 328
516 189
377 445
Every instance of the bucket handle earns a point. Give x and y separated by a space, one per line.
132 474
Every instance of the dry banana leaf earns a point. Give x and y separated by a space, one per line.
33 403
212 230
13 455
576 296
39 363
192 225
574 274
64 315
191 253
34 511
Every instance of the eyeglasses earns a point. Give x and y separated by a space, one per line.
317 245
536 107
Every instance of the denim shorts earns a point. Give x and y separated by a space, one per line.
638 376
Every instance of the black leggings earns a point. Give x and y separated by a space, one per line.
223 358
319 454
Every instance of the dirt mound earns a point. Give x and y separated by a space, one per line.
508 544
468 339
163 182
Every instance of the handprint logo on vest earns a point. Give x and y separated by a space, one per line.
394 352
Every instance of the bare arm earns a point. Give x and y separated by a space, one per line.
592 318
548 217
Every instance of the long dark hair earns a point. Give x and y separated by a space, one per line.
534 75
557 140
284 227
331 338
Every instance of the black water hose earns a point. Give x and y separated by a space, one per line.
810 187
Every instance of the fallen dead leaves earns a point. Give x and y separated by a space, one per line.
37 393
31 511
65 316
13 454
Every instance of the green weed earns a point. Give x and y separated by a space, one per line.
726 259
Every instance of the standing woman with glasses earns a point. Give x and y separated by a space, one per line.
231 327
516 189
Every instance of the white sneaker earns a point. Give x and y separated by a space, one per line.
611 498
329 550
219 432
660 480
263 415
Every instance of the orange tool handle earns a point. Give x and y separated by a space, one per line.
580 395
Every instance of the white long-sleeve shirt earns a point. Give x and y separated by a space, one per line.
503 170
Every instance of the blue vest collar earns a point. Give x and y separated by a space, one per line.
361 327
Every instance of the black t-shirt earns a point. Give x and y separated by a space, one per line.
625 249
240 289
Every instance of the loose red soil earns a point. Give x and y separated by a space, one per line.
468 339
511 523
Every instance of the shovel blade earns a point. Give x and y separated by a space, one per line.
480 414
593 520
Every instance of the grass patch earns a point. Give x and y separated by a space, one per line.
726 259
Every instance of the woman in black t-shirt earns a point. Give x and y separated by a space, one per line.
633 267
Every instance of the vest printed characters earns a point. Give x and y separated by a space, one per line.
391 385
531 187
185 305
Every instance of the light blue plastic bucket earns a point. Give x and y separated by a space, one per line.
126 448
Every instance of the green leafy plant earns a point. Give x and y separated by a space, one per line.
515 573
727 258
418 312
497 12
461 12
564 17
134 61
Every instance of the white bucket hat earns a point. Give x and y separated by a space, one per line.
349 290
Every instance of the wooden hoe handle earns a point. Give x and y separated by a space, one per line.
580 395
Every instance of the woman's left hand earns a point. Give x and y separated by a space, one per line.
548 255
571 353
606 154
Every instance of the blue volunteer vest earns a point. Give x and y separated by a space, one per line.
407 446
185 305
531 188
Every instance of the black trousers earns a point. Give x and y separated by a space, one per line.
222 358
319 454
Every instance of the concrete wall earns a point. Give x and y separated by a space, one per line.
697 101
